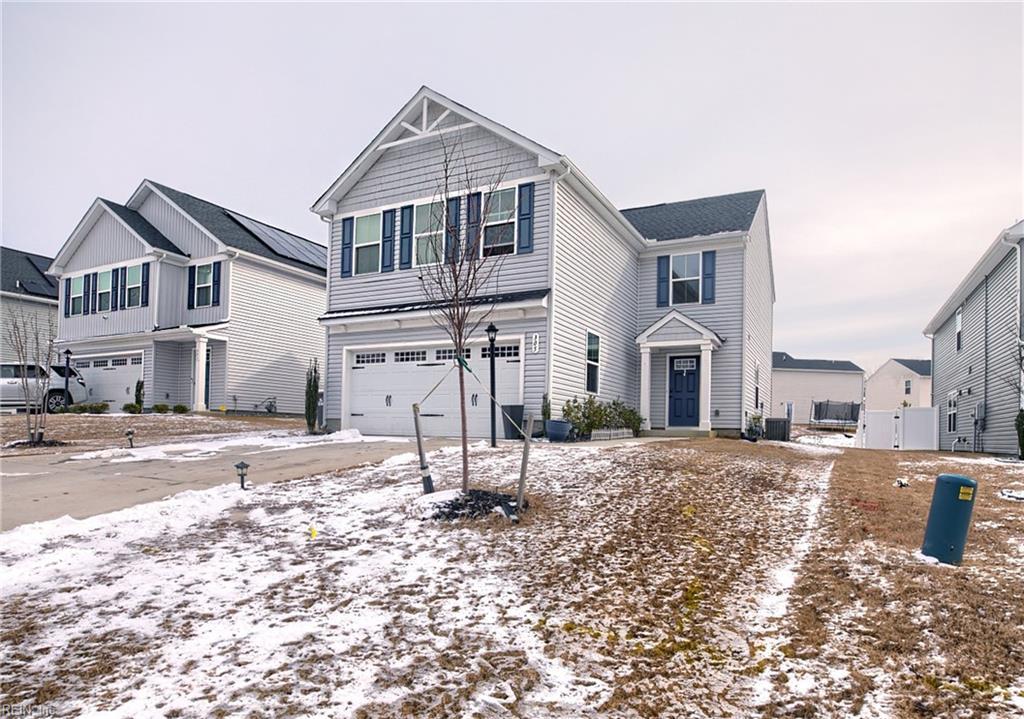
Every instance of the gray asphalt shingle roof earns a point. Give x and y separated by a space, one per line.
25 273
784 360
918 366
219 222
142 227
693 218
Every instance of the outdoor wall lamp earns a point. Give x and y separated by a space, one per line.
242 468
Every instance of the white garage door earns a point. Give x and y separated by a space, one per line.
111 378
385 383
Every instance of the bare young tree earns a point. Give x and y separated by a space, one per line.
32 336
458 264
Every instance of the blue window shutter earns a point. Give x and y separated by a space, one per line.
67 297
347 226
525 218
387 242
191 287
145 284
663 261
115 298
473 203
124 287
405 239
86 288
216 284
94 302
708 277
451 229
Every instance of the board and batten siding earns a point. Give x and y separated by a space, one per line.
212 314
177 227
413 170
534 363
107 241
594 289
32 316
725 317
272 336
758 318
984 369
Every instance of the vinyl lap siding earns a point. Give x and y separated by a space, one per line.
534 363
595 289
272 336
978 372
725 317
757 317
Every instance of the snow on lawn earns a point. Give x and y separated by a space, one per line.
270 441
628 589
829 439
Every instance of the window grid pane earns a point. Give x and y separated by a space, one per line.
367 230
429 218
134 275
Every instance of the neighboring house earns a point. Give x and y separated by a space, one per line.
798 383
210 308
899 383
28 296
667 308
975 337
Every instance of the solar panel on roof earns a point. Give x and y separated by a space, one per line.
285 244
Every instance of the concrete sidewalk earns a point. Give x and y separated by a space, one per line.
38 487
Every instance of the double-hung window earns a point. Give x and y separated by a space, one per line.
77 294
951 412
906 386
103 290
367 244
593 362
133 286
959 328
499 230
428 233
686 278
204 285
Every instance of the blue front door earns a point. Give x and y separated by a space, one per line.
683 391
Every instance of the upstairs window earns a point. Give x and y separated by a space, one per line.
959 328
367 244
593 362
204 285
906 387
686 279
428 233
103 291
77 294
133 286
499 231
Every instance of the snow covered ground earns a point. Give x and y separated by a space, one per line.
665 579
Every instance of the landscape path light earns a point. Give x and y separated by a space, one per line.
242 469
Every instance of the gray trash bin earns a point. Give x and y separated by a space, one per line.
515 412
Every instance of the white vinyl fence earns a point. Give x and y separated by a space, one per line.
905 428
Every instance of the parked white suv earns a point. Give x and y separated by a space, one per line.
12 391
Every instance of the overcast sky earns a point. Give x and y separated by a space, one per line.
888 138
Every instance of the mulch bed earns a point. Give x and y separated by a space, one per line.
478 503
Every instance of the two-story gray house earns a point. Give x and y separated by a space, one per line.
666 307
208 307
976 378
27 296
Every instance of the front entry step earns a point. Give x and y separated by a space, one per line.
679 432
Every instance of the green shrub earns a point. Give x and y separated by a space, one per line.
161 408
545 408
80 408
180 409
622 416
1019 426
140 391
131 408
312 394
588 415
98 408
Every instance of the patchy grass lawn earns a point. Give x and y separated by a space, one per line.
100 431
699 578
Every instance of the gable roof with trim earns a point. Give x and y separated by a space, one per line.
24 273
696 218
786 361
920 367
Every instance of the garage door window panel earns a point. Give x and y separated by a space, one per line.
367 244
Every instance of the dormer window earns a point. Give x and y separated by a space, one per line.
367 244
204 285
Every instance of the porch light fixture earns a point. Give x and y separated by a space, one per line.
242 468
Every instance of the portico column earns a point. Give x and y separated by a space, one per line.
199 385
705 387
645 385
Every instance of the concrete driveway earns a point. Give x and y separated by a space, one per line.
39 487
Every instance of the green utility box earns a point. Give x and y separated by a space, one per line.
949 518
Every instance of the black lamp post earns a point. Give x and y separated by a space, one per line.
492 334
67 377
242 467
